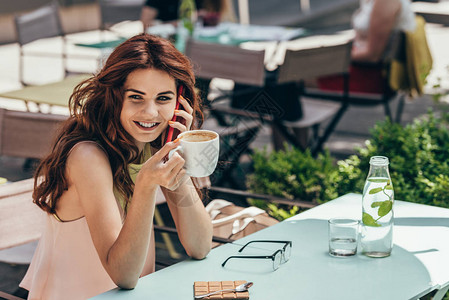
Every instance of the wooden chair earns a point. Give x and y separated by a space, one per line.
21 224
27 134
237 129
300 65
41 23
247 67
228 62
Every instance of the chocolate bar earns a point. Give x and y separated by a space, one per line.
204 287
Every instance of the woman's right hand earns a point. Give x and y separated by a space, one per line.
158 170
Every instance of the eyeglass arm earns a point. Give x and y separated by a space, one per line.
255 256
265 241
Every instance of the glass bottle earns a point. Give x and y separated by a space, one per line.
186 23
377 210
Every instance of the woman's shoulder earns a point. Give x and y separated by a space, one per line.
87 152
88 163
87 147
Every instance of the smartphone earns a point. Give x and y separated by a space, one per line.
171 135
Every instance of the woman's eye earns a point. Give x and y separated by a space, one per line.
135 97
164 98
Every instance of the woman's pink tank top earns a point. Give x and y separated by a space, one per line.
66 265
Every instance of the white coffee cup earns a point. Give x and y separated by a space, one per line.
200 150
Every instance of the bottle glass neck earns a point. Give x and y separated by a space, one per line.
378 171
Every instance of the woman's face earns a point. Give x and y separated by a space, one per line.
148 104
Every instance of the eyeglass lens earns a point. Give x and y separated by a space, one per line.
287 252
277 260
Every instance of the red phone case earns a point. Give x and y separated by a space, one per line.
171 129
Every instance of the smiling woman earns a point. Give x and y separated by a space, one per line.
109 151
147 109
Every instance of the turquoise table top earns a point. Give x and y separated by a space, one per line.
418 263
235 34
103 45
225 33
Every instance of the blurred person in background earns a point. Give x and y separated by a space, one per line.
165 11
373 23
210 11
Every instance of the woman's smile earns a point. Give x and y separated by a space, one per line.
147 125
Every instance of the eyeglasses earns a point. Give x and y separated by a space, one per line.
279 257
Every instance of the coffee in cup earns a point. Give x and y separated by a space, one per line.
200 150
198 136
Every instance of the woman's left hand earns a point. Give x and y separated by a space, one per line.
186 114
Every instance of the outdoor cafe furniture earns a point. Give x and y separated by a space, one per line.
56 93
116 11
27 134
220 58
43 22
214 55
416 267
433 12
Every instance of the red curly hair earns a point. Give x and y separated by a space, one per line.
95 108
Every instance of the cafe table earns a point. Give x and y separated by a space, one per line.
55 93
418 263
433 12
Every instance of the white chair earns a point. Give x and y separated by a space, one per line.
41 23
116 11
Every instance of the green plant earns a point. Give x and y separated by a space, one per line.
292 173
419 158
419 167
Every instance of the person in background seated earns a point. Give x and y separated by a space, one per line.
98 186
373 23
165 11
210 11
162 10
215 11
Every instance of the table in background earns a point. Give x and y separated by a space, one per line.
55 93
433 12
417 265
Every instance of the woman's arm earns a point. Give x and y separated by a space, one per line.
191 219
121 249
382 21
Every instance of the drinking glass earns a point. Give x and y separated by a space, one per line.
343 236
